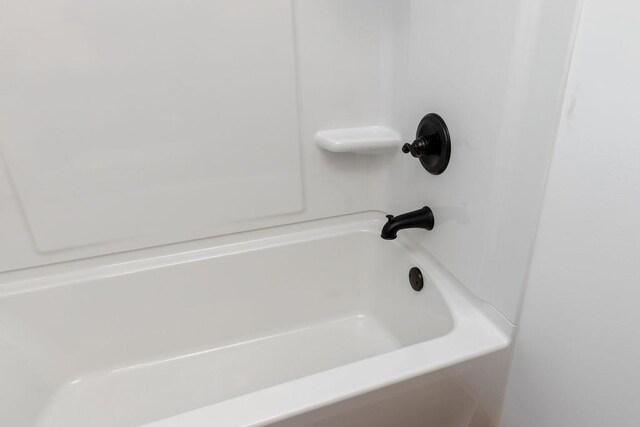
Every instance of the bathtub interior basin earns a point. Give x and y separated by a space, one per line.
280 321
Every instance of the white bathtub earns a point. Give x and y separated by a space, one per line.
242 330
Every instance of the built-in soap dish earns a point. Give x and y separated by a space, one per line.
367 139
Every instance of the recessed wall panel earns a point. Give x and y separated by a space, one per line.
122 119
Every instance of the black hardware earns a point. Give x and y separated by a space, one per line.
422 218
432 145
415 279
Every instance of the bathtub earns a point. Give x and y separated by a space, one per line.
265 327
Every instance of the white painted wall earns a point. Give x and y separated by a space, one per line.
577 354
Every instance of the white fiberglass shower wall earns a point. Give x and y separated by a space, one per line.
133 129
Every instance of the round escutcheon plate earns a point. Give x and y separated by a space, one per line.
434 130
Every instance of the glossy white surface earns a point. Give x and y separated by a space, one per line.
327 96
368 139
160 126
281 324
576 360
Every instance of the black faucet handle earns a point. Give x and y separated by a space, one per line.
420 147
432 145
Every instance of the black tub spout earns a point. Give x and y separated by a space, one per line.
422 218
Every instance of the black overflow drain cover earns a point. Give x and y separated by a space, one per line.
415 278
